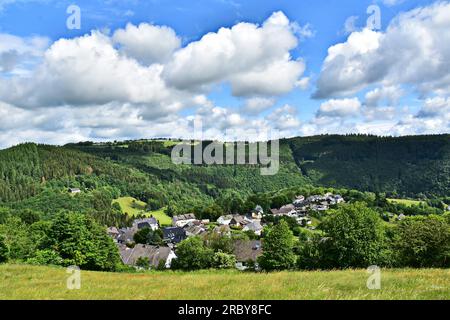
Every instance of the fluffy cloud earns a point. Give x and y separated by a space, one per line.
390 95
143 65
338 108
254 106
147 43
414 50
135 82
254 59
284 119
17 52
435 107
85 71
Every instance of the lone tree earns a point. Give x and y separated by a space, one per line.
278 248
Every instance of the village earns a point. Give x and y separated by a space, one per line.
246 251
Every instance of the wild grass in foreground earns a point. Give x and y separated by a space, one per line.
30 282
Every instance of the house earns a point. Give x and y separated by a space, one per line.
174 235
304 221
113 232
246 251
319 207
183 219
401 217
225 220
239 221
155 255
126 235
255 226
223 230
299 200
257 213
339 198
192 229
288 209
74 190
151 223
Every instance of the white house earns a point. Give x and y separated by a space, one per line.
225 220
182 220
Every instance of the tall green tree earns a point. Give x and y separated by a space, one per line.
278 248
354 237
423 242
80 241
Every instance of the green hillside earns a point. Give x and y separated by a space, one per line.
405 166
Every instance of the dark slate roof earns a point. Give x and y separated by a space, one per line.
154 253
145 223
245 250
174 234
126 234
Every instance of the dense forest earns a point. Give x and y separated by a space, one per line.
411 166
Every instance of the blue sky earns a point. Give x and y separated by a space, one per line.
325 97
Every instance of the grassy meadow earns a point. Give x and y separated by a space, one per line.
406 202
32 282
134 207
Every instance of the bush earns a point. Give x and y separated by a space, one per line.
192 254
46 257
143 262
222 260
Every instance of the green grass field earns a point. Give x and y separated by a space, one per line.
135 207
406 202
31 282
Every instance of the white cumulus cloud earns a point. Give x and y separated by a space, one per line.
414 50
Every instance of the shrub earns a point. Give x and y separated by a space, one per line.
222 260
192 254
143 262
45 257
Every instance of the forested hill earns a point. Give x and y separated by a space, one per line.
409 166
141 169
